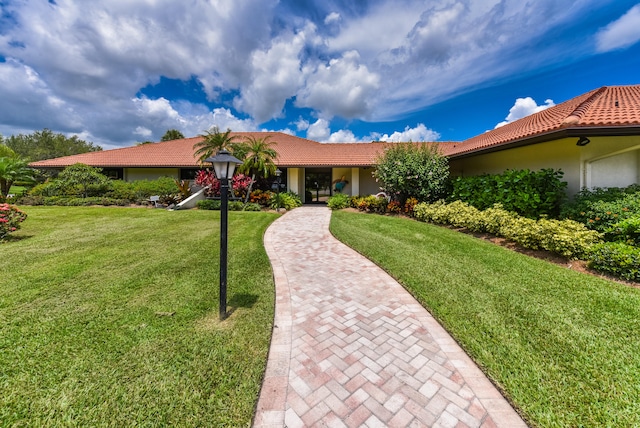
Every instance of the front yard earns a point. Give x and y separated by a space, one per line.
562 345
109 316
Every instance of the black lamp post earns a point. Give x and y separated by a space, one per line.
278 181
224 164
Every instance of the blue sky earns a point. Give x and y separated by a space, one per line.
118 72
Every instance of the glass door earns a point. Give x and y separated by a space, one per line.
317 185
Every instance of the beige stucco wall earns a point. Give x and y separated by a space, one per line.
605 162
368 185
133 174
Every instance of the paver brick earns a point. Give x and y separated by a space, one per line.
351 347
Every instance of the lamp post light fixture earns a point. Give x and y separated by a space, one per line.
278 181
224 164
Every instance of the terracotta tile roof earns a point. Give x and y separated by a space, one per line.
606 107
292 151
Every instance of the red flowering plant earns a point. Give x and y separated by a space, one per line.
10 219
239 183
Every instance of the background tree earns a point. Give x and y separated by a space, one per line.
172 134
46 145
411 170
213 141
12 170
259 156
5 151
83 177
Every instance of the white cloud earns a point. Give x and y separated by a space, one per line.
276 76
331 18
319 130
418 134
524 107
344 88
143 132
621 33
341 136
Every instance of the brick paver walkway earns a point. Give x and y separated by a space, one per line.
352 348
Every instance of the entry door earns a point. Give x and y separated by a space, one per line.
317 185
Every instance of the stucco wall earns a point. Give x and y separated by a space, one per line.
368 185
598 164
133 174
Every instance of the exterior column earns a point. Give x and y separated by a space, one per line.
355 181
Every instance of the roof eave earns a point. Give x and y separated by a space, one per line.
597 131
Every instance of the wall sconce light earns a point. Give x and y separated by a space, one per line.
583 141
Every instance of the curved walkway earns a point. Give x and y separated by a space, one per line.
352 348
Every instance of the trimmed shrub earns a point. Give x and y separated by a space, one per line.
616 258
565 237
338 201
530 194
10 219
208 204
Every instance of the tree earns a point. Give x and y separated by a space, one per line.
5 151
259 156
82 177
46 145
411 170
172 134
213 141
12 170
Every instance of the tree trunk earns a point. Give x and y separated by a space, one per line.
246 198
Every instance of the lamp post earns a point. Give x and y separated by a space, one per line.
278 181
224 164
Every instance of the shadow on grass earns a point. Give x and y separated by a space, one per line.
242 300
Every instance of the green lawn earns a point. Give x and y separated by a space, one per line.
564 346
86 335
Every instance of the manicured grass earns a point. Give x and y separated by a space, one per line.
109 317
564 346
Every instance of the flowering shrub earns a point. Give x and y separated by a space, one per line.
408 170
10 219
239 183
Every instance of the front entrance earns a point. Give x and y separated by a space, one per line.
317 185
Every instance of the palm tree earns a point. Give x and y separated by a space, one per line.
259 156
13 169
213 141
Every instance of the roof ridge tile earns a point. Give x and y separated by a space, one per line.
578 113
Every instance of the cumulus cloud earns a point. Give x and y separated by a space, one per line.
82 66
319 130
524 107
621 33
418 134
276 76
344 87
